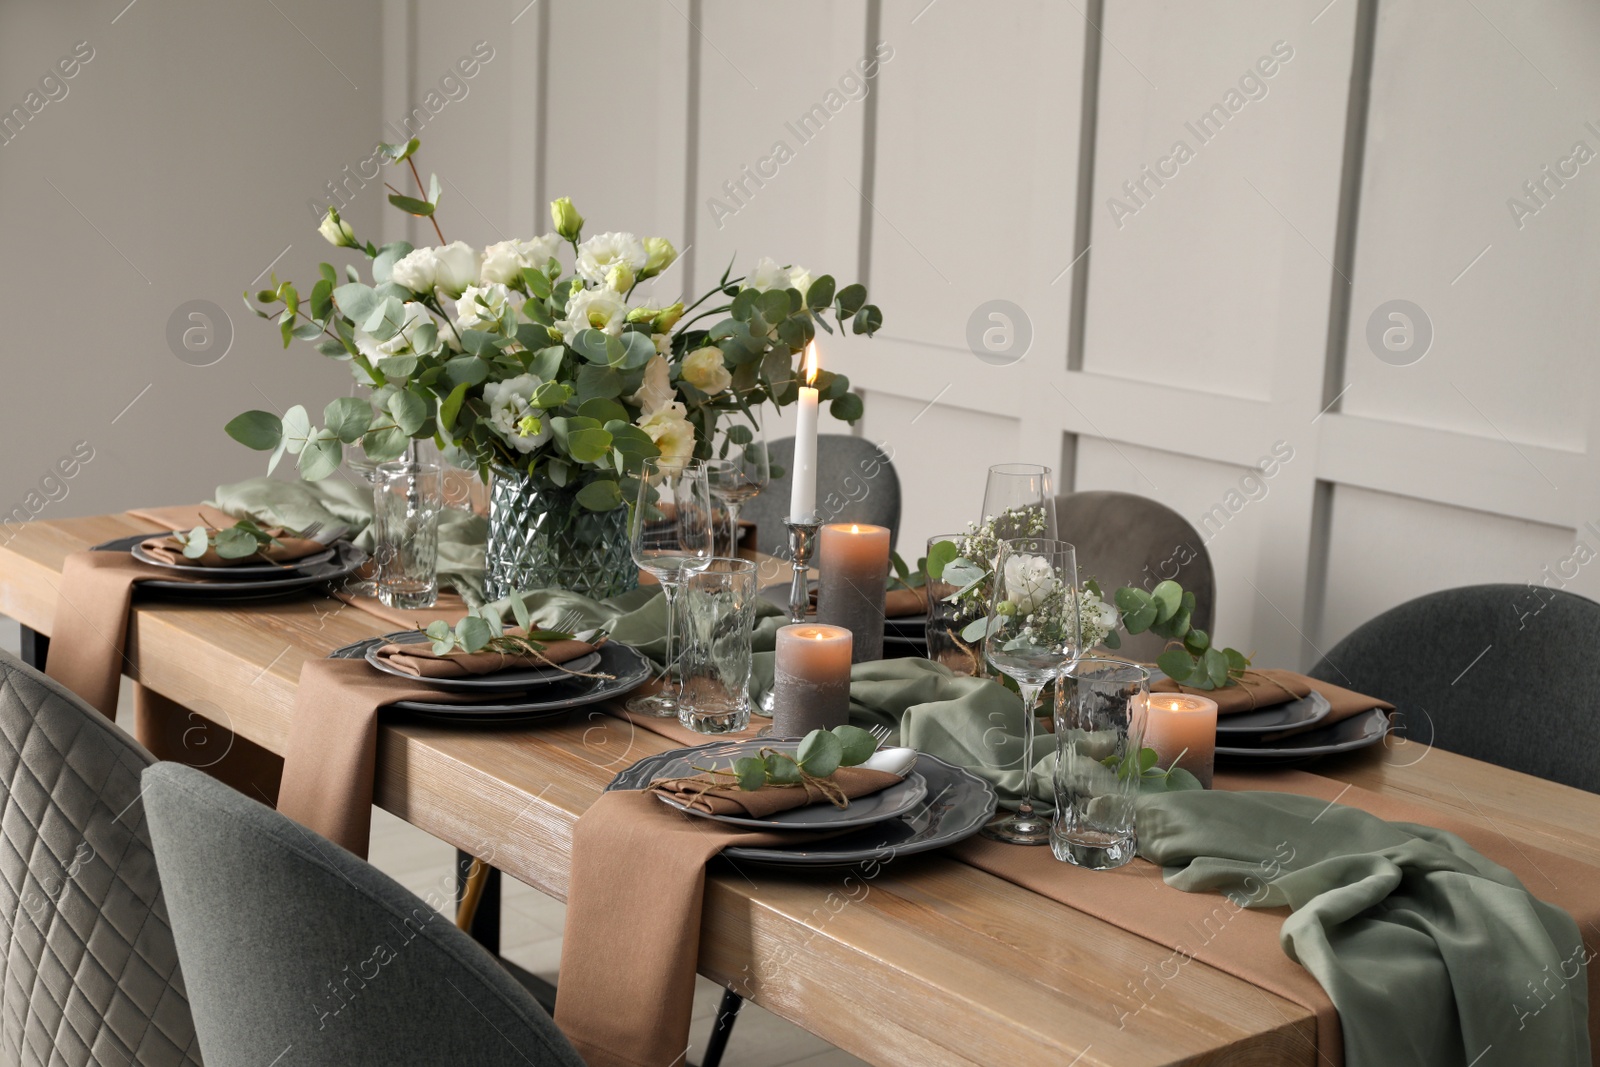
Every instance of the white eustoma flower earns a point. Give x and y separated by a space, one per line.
656 391
456 268
418 270
600 253
671 431
799 278
523 426
598 309
703 368
1029 581
471 312
504 261
767 275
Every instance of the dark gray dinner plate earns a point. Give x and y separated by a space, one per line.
627 666
237 571
347 558
1356 732
513 679
1303 712
956 807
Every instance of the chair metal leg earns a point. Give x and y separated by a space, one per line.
484 925
722 1029
35 648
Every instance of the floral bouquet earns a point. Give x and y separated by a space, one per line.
517 365
967 563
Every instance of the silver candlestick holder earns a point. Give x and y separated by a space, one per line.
802 546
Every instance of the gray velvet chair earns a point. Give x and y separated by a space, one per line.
856 482
1126 539
1507 674
290 942
89 974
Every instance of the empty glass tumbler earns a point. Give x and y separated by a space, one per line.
1100 718
407 498
719 609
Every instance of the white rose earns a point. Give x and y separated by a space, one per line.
672 433
768 275
703 369
600 253
471 314
656 391
504 261
1029 581
598 309
456 268
418 270
523 426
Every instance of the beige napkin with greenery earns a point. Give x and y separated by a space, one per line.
700 794
421 661
1267 688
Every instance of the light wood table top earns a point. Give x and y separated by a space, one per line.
929 962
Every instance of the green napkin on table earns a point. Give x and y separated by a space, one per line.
336 500
1432 953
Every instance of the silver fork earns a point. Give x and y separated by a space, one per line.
316 532
881 733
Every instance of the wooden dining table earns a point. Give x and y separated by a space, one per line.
915 960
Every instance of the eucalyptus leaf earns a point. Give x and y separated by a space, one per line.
819 753
857 745
260 430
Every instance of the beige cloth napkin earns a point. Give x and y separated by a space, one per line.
90 627
769 800
284 549
420 661
905 603
632 937
331 757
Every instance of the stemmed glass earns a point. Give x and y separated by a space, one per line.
1034 637
740 470
1021 500
670 533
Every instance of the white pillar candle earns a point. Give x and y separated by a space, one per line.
1183 727
811 679
803 494
853 571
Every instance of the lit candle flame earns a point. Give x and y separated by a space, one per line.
808 363
854 528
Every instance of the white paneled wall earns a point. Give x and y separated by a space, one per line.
1206 258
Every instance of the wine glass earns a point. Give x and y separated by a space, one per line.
1020 498
740 470
1034 637
670 533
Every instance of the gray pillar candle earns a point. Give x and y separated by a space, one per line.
853 569
811 679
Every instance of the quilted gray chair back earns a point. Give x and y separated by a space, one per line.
1502 673
298 951
90 972
856 482
1126 539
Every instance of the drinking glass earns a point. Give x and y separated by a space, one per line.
1101 707
1033 637
406 500
740 470
719 609
947 620
1021 500
670 534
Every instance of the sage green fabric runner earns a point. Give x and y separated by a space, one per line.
297 504
1431 953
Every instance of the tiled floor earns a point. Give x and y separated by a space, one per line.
530 936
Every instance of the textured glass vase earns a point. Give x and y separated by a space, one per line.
544 539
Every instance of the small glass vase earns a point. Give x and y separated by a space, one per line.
542 538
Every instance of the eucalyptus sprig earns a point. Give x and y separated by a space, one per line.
819 754
1152 778
240 541
486 633
1191 660
902 576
